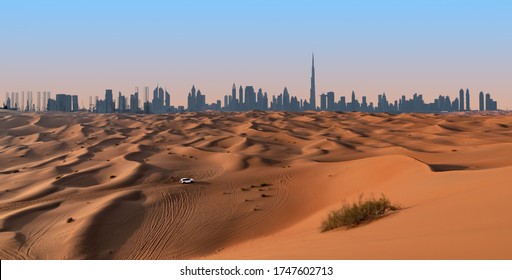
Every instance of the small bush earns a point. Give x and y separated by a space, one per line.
69 220
265 185
352 215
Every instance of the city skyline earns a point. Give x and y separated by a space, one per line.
463 101
370 47
247 100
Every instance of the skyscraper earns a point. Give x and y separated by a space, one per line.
490 104
233 103
109 102
468 107
167 100
74 99
44 102
461 100
38 101
121 103
323 102
192 101
286 99
330 101
134 101
259 100
63 102
158 101
312 93
22 104
482 102
146 94
364 104
241 98
200 101
250 98
161 99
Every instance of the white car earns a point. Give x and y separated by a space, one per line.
186 181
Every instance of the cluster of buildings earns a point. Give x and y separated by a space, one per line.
25 101
246 99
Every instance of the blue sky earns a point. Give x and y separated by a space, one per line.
397 47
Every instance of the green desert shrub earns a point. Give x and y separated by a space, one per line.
362 211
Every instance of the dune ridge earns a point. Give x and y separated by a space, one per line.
89 186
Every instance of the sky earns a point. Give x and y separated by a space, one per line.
397 47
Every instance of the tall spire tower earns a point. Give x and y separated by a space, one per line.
312 93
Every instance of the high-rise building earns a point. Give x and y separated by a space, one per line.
201 101
250 98
227 98
161 100
481 102
147 107
146 95
286 99
330 101
265 101
134 101
259 100
121 103
468 106
51 105
158 100
45 101
364 104
233 103
342 104
27 104
455 104
74 99
167 100
312 92
461 100
191 104
490 104
38 101
63 102
22 104
109 102
323 102
241 98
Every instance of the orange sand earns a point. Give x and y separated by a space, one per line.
117 177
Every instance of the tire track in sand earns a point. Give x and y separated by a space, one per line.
169 214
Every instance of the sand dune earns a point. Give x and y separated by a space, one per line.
88 186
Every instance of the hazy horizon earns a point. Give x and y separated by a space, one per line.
370 47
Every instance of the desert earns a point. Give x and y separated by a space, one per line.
106 186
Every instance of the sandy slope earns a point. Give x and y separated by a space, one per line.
265 182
